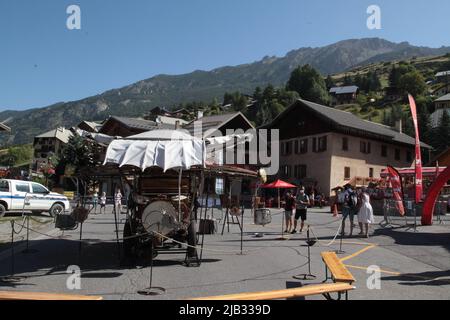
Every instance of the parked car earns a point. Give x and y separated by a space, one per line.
17 195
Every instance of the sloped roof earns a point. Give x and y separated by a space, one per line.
212 123
346 121
95 126
443 98
61 134
437 116
344 90
443 73
135 123
4 127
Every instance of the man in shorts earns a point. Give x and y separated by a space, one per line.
302 201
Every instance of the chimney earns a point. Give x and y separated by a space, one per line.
399 126
199 115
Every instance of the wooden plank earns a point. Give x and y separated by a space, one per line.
286 293
339 272
13 295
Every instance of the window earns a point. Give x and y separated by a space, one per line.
37 188
296 147
22 187
371 173
397 154
303 146
347 173
384 151
345 144
365 147
322 144
288 148
300 172
4 186
286 171
409 157
314 146
219 186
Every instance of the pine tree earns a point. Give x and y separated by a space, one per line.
442 133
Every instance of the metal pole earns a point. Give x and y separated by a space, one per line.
12 248
242 228
117 230
80 244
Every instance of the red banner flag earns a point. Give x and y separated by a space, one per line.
397 189
419 177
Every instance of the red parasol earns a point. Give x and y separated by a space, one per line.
279 184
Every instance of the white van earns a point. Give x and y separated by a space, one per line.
17 195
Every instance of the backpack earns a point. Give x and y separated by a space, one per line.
352 200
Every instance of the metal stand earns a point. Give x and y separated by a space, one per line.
152 291
282 227
80 244
340 251
117 232
414 226
28 250
241 225
309 275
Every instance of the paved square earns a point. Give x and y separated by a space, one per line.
413 265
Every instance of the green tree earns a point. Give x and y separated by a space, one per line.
397 72
309 84
413 83
330 83
441 136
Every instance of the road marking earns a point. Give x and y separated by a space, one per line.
382 271
406 275
358 253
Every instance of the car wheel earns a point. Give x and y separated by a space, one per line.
2 210
56 209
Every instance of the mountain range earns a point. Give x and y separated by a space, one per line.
169 90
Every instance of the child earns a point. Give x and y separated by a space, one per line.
365 214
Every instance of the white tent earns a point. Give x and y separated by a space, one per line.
166 149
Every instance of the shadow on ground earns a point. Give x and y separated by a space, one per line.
431 278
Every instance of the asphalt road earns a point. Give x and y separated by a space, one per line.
414 265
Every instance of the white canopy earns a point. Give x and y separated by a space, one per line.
165 154
166 149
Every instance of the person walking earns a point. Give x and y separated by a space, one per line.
95 201
365 214
349 208
118 201
288 211
103 203
301 201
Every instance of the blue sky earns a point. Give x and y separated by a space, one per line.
121 42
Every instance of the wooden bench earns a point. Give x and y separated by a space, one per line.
310 290
339 273
11 295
